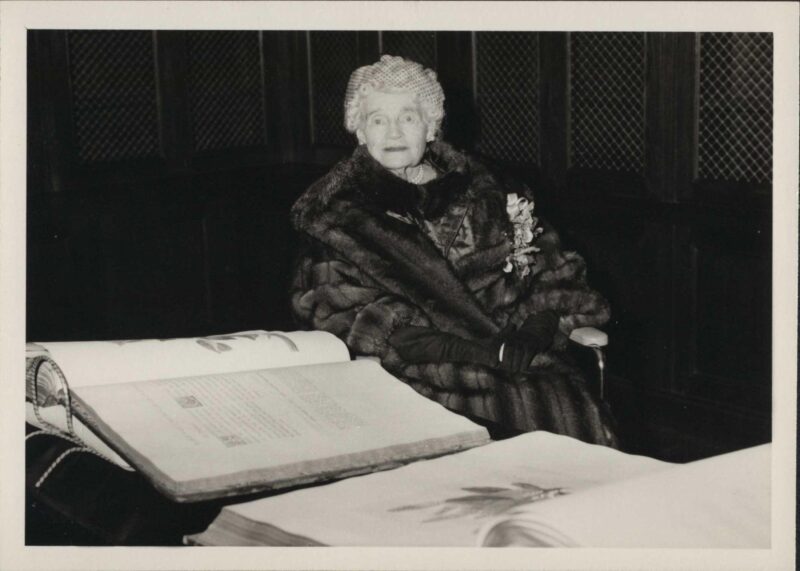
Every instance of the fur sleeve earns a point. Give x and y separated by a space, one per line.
557 280
331 294
561 285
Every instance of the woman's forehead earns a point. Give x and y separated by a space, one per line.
390 101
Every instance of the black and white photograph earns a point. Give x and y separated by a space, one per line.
402 276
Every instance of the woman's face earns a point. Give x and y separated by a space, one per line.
393 129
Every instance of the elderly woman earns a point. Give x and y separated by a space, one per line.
418 255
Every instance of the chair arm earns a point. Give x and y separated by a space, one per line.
589 337
595 340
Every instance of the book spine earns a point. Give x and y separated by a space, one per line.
33 369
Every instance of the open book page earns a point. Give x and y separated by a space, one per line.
721 502
86 363
440 502
198 434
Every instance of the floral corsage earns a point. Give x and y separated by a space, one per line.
520 213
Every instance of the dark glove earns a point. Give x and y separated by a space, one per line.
425 345
521 346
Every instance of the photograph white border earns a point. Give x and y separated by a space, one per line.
780 18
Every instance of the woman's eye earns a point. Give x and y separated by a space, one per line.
409 118
377 121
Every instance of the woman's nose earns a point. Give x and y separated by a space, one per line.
394 129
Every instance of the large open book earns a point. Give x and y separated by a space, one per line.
441 502
720 502
240 413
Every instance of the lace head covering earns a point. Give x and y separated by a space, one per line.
393 73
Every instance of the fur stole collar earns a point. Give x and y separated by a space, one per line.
347 210
360 179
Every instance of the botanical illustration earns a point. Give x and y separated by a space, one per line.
484 501
216 343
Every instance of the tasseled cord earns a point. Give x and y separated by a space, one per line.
32 378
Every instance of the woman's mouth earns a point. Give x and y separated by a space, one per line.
394 149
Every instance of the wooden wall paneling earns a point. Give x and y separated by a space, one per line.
417 46
507 86
733 320
118 265
725 355
63 293
278 85
632 267
735 111
274 247
270 244
224 251
733 121
368 48
688 360
226 99
686 324
157 280
671 127
554 110
51 312
607 92
288 97
114 95
65 269
249 244
249 247
173 113
113 107
268 96
676 428
455 73
269 117
332 57
39 175
301 95
54 108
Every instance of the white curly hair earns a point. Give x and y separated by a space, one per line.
393 74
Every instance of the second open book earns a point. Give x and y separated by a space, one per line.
235 414
534 490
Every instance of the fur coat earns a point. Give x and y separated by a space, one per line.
381 253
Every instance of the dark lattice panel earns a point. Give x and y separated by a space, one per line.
417 46
507 83
607 82
225 89
113 84
334 56
735 102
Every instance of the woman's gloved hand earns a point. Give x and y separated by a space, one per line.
425 345
518 348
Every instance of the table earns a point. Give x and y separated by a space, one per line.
88 501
